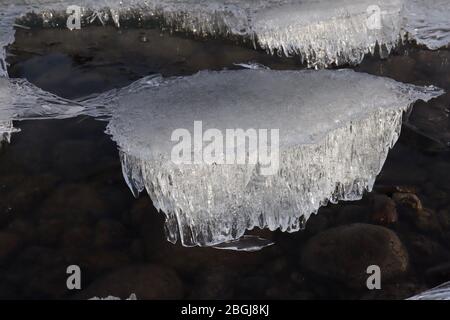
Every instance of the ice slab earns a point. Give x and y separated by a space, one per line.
441 292
322 32
335 130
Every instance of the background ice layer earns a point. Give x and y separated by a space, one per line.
336 128
321 32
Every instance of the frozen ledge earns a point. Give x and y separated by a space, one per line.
335 131
321 32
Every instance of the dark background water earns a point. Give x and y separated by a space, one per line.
63 199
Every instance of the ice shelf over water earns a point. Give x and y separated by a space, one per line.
321 32
335 130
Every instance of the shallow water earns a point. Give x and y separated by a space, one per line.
64 200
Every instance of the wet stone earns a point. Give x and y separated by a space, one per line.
426 252
345 252
383 211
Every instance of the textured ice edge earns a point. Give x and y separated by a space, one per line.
441 292
341 165
21 100
322 32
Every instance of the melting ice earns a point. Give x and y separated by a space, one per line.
336 128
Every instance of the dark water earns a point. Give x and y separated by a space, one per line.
63 200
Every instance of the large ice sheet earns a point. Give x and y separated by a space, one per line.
335 130
322 32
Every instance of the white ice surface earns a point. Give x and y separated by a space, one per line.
428 22
336 128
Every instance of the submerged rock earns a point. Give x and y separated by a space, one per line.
384 211
344 253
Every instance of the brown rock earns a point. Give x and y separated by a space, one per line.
384 211
426 252
345 252
408 199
